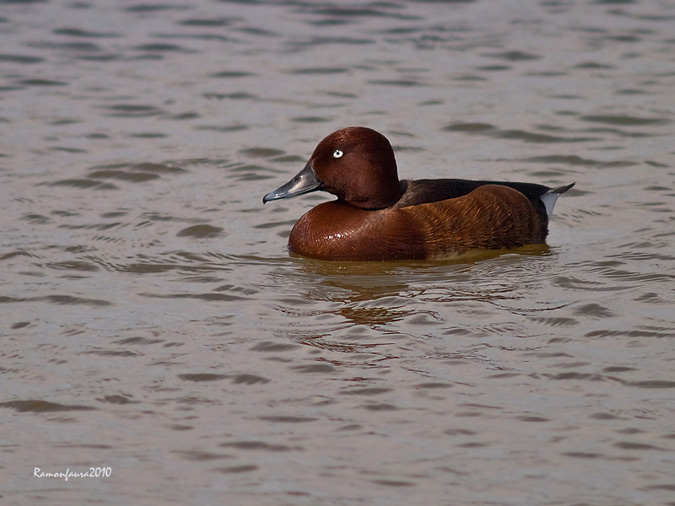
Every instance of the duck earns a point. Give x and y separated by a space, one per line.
377 217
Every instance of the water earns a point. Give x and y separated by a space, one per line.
153 323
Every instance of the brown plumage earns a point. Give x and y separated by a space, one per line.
378 217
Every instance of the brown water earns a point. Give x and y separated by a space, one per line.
154 324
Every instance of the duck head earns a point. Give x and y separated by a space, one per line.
356 164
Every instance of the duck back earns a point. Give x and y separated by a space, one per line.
421 191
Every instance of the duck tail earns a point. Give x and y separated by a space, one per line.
550 197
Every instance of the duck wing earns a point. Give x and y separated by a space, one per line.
422 191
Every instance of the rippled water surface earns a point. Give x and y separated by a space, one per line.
153 322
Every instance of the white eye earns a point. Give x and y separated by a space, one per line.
337 153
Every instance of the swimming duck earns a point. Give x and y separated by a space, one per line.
376 217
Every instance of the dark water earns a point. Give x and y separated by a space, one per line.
153 323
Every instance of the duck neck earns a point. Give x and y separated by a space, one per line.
386 196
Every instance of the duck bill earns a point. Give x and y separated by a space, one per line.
304 182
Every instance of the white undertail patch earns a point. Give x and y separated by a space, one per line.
550 197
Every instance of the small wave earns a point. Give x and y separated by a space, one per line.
40 406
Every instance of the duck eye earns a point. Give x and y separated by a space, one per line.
337 153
